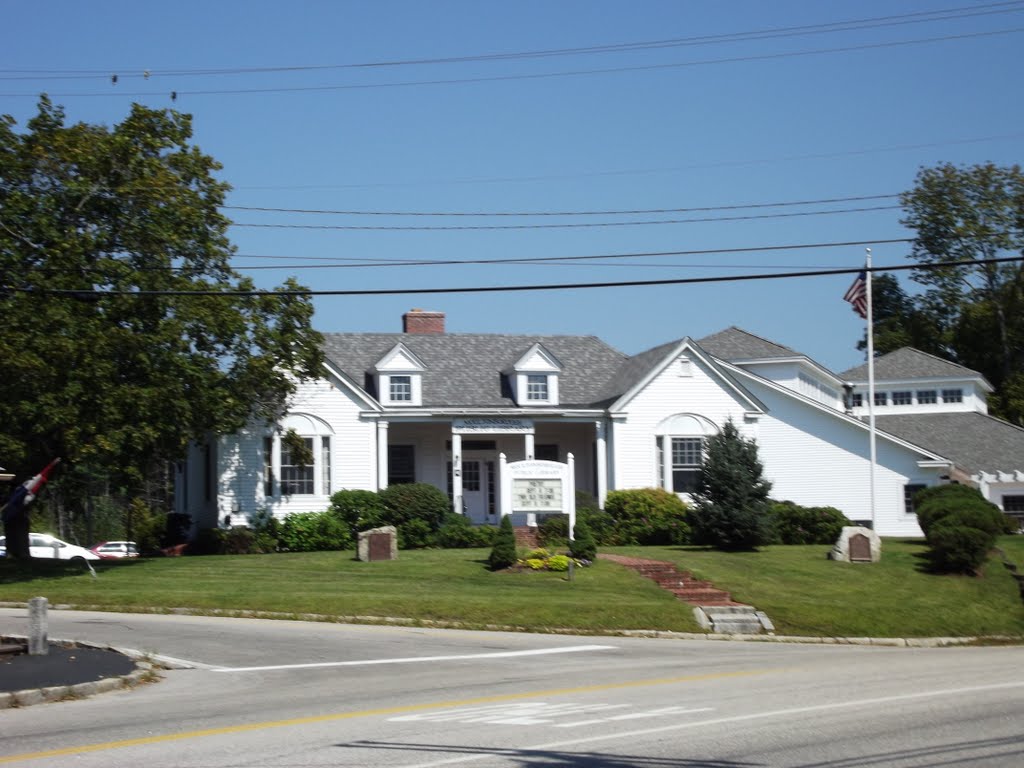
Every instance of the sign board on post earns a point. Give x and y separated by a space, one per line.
531 487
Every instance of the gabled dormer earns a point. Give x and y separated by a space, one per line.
533 378
399 376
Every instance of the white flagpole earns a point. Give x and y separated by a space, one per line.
871 382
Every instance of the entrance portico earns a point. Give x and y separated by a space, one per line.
460 454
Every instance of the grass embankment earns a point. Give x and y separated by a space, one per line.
802 592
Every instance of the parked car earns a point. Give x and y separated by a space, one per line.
115 550
45 545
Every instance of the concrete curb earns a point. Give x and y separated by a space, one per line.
145 671
168 663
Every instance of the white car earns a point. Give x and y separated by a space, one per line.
45 545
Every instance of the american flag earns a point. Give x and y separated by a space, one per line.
857 294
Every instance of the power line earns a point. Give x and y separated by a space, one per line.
534 76
90 295
368 262
637 171
919 17
577 225
745 206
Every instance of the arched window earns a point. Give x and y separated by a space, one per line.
680 451
283 472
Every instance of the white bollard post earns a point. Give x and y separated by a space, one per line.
38 627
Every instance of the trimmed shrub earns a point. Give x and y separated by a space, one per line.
794 524
941 503
553 531
503 553
957 548
458 533
417 510
583 546
359 510
314 532
647 516
558 563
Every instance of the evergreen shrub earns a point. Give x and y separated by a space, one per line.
937 503
503 552
730 508
583 545
956 548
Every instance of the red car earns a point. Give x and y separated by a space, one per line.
115 550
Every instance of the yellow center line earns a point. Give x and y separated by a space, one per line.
402 709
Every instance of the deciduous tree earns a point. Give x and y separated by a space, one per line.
113 356
974 214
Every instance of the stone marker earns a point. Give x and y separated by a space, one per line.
38 627
378 544
857 544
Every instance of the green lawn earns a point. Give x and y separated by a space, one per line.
802 591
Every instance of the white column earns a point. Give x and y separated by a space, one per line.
457 474
275 465
529 446
601 459
505 488
382 455
570 489
666 462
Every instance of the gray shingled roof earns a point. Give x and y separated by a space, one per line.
974 441
909 363
735 344
633 369
463 370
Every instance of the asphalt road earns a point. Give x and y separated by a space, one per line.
295 694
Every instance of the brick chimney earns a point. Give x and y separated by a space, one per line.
422 321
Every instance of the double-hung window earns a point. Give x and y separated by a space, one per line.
685 456
400 389
295 477
537 387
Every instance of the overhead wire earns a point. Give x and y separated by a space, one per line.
528 76
587 260
636 211
92 294
919 17
568 225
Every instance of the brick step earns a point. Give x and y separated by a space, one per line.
702 596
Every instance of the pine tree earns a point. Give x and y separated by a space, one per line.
503 553
583 545
730 508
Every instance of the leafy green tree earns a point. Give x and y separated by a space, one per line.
899 321
730 508
977 214
126 332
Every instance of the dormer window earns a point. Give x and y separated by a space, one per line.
534 377
400 377
400 388
537 387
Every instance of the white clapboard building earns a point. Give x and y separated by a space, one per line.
447 409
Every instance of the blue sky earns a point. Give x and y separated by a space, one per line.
754 113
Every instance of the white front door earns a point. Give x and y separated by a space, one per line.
478 490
